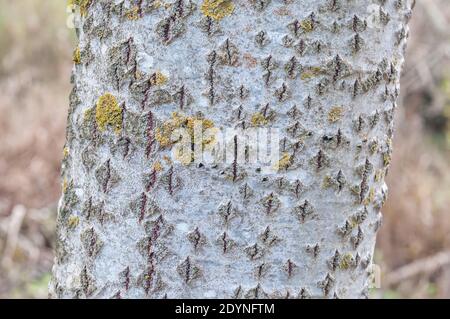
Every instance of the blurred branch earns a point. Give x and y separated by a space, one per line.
437 19
15 223
422 266
419 69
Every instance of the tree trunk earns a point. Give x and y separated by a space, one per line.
135 223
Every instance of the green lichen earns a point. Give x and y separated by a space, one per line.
70 199
217 9
88 125
88 115
91 242
108 113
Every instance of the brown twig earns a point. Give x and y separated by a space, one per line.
426 265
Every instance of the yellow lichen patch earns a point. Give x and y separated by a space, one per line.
185 129
389 142
217 9
346 261
310 73
77 56
370 198
206 123
183 156
386 159
373 148
379 175
82 4
138 74
326 181
164 132
163 135
73 221
306 25
355 189
335 114
161 4
65 152
133 13
258 119
208 138
108 113
157 167
65 185
158 79
284 162
353 223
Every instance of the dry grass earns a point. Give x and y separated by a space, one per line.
35 61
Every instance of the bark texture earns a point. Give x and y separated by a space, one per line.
134 224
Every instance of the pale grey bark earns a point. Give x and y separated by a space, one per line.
132 224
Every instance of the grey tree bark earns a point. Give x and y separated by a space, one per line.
133 223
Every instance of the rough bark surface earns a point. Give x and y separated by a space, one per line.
134 224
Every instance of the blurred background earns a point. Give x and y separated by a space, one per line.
413 248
